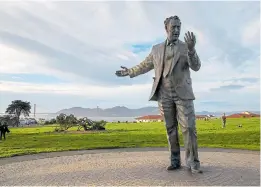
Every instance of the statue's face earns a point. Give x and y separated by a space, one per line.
173 30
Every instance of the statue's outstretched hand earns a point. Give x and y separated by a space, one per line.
122 73
190 40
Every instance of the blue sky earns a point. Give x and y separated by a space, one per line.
64 54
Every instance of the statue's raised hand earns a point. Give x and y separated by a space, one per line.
190 40
122 73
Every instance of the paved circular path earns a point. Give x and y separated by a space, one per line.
134 167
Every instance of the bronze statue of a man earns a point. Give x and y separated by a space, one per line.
172 88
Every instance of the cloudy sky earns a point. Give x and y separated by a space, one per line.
64 54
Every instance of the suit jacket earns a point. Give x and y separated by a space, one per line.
182 62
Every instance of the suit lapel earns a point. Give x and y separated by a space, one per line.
162 50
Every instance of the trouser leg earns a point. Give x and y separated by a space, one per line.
187 121
168 111
224 124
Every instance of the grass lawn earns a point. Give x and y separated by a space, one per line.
28 140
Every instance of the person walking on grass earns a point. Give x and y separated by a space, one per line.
224 120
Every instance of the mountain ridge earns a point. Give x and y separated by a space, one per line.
122 111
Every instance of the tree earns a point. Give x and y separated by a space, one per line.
8 119
99 125
66 122
18 107
84 123
88 124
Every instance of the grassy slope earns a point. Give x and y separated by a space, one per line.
210 134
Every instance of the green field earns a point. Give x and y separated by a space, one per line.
118 135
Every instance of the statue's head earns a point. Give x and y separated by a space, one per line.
172 27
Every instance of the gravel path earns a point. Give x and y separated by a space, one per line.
138 166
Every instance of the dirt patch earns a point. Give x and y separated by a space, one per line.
78 132
85 132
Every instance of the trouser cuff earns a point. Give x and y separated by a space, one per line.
175 158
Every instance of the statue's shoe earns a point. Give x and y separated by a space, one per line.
196 171
173 167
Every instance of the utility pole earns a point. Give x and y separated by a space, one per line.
34 109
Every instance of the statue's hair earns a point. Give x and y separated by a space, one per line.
167 20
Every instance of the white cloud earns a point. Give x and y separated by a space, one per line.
15 61
133 96
90 91
251 34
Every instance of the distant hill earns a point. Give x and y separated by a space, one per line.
118 111
121 111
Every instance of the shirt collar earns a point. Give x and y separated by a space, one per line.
171 43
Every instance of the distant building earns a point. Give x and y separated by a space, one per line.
159 118
27 121
201 117
243 115
149 118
